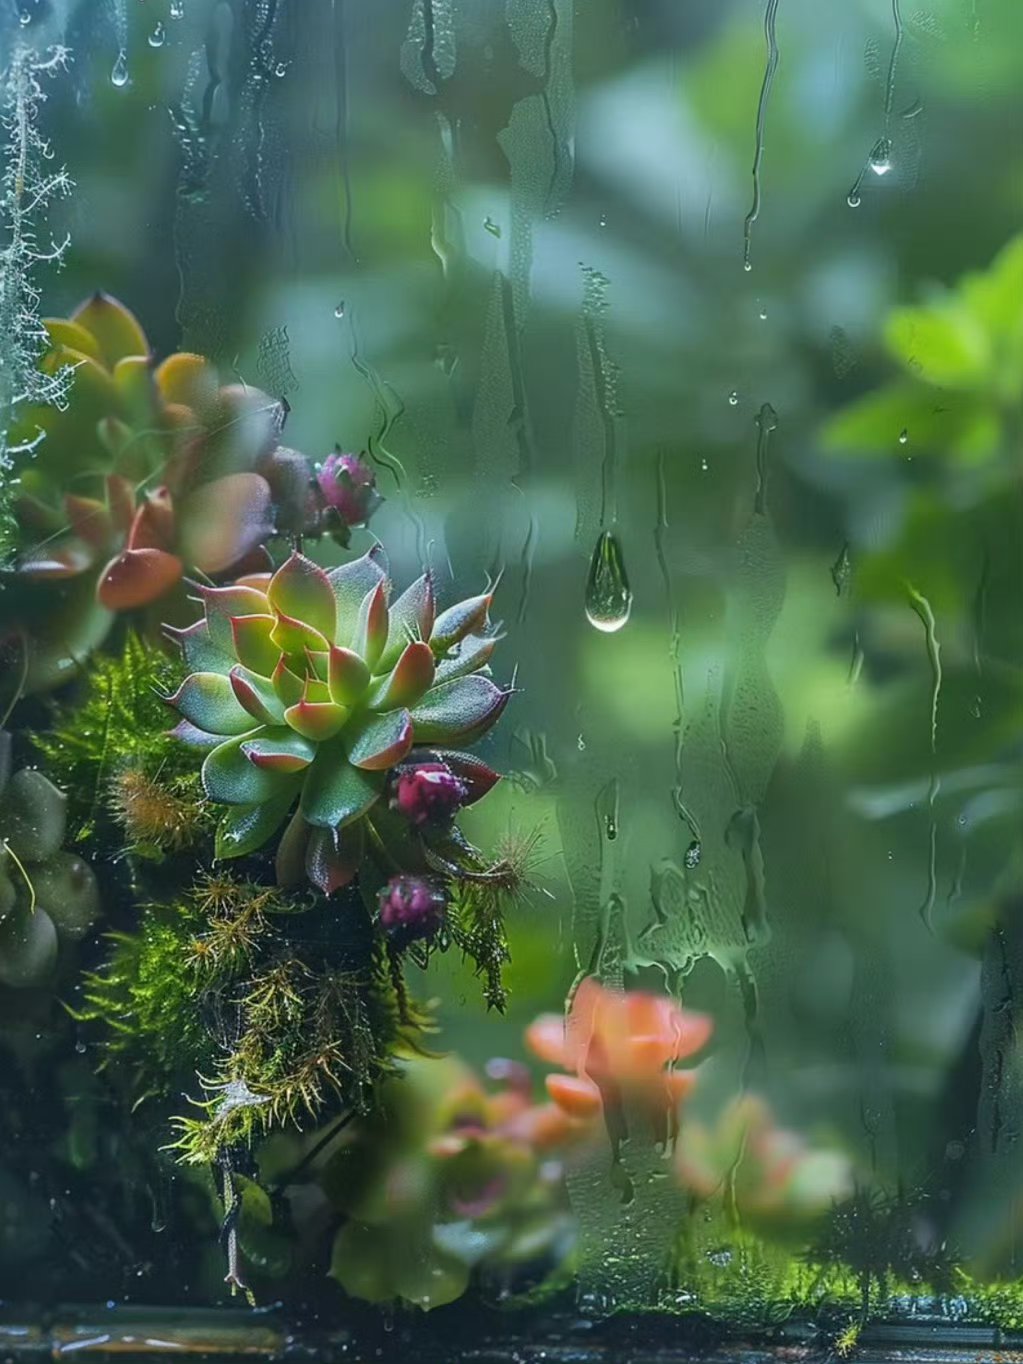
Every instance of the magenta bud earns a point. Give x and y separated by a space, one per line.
428 793
348 484
411 907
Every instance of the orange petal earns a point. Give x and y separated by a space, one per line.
575 1095
545 1037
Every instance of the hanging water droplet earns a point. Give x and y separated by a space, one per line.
747 265
493 228
608 595
733 399
693 855
339 311
158 36
880 158
119 74
610 828
903 436
853 200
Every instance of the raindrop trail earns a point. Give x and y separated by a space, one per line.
767 421
341 121
770 16
674 649
528 554
391 410
879 158
922 607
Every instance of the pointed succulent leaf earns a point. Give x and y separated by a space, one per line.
378 742
253 646
222 521
89 519
112 326
187 733
348 676
371 627
333 856
461 709
63 332
133 379
411 678
287 684
295 636
469 656
301 589
475 775
317 666
350 584
223 603
229 778
280 750
464 618
66 559
412 617
289 863
208 701
152 526
121 501
244 828
257 696
316 720
335 792
136 577
186 379
200 653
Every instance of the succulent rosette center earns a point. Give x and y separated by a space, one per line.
309 686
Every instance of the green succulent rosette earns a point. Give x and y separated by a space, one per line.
310 686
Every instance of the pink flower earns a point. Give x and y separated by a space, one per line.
411 907
348 484
621 1045
428 793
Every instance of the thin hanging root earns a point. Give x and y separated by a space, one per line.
21 867
229 1235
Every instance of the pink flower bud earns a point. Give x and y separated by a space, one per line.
428 793
411 907
348 484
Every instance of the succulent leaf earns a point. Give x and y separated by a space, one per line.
115 330
244 828
411 677
412 617
350 584
371 626
208 701
280 749
469 656
348 676
335 792
257 696
252 643
137 576
316 720
333 856
380 742
229 778
301 589
464 618
461 709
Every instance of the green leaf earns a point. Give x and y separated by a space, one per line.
208 701
335 792
411 677
461 709
379 741
934 423
252 643
942 344
244 828
280 750
412 617
231 779
257 696
113 327
302 590
350 584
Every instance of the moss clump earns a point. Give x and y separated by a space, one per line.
111 748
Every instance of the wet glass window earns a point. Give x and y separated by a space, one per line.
511 673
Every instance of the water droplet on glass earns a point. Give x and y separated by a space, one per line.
608 595
693 855
158 36
880 158
24 18
733 399
177 9
119 75
704 466
975 709
580 744
281 69
602 220
493 228
903 436
747 265
853 201
339 311
763 314
610 828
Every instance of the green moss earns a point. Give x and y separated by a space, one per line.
118 727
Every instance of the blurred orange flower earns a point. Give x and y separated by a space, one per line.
621 1046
